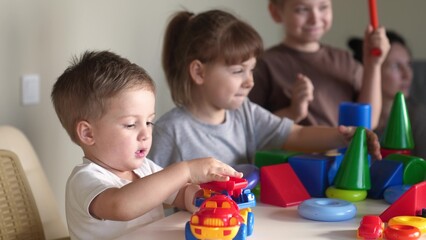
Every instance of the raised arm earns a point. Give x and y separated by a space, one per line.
371 89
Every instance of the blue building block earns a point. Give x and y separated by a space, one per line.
392 193
384 173
336 161
355 114
312 170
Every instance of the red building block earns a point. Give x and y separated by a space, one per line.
280 186
410 203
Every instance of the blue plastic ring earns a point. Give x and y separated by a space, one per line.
327 209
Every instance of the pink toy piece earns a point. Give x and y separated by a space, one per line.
280 186
411 203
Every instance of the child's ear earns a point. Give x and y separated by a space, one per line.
275 11
85 133
196 70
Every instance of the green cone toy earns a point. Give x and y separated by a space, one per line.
354 172
398 134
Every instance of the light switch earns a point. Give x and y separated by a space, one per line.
30 84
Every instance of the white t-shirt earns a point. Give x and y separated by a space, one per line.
88 180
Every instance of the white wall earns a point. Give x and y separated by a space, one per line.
40 36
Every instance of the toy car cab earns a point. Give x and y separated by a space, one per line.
371 227
219 218
234 188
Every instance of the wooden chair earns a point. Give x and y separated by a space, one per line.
19 217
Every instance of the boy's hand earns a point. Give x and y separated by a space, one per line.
209 169
372 140
302 93
375 39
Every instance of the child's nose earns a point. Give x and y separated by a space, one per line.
144 133
249 82
407 73
314 16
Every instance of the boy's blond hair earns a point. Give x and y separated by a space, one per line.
83 91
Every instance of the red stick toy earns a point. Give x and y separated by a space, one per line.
374 21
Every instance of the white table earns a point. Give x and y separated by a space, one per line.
270 223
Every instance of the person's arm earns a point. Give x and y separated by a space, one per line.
314 139
371 88
321 139
142 195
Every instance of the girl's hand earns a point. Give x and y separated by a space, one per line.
373 144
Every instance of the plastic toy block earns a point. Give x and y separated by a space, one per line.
392 193
414 167
410 203
398 134
312 171
266 158
384 173
334 167
354 172
355 114
386 152
280 186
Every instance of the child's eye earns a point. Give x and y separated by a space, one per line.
130 125
323 7
237 71
301 9
149 124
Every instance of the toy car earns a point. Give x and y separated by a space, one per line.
220 218
234 188
371 227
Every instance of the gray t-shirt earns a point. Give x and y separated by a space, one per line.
178 136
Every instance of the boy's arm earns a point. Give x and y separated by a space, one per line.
144 194
371 89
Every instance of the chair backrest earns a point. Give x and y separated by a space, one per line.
14 140
19 217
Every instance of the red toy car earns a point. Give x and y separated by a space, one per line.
371 227
219 218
